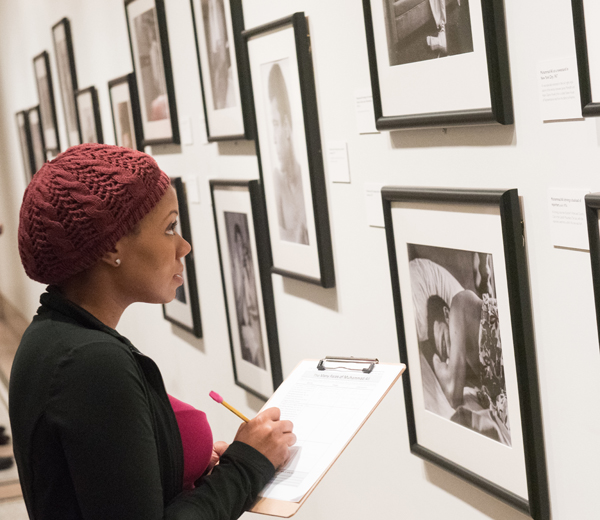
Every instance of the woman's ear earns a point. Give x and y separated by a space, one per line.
447 314
112 257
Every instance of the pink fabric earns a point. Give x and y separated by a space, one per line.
197 440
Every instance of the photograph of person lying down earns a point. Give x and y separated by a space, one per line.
458 329
419 30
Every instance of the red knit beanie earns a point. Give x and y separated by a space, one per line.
80 204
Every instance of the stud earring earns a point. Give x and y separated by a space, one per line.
118 262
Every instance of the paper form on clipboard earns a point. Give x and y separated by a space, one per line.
327 408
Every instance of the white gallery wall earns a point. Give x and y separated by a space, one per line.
376 477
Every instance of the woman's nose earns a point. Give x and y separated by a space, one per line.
184 248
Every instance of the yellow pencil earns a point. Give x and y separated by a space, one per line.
219 399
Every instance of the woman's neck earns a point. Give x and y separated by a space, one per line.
95 296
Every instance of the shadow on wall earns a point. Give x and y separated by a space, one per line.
237 147
189 338
225 148
313 293
165 149
489 506
492 135
253 402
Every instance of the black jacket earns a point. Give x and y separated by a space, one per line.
95 436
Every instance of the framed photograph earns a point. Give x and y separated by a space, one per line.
438 63
218 25
184 310
149 41
37 137
245 258
88 110
463 316
289 148
67 77
43 79
25 144
125 107
585 14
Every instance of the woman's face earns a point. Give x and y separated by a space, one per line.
282 134
151 259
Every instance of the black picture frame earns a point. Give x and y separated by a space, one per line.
88 112
500 108
24 133
309 255
501 212
590 105
34 123
67 77
184 310
236 120
153 32
592 207
241 203
43 77
125 109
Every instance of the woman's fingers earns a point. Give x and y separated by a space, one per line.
291 438
270 436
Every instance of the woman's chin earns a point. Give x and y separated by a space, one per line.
170 298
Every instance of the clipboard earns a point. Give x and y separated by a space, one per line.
285 508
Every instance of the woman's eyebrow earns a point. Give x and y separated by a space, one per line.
170 213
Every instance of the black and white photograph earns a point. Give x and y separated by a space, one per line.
146 20
153 83
244 288
37 137
88 110
586 16
125 110
463 318
219 56
245 256
225 88
290 149
460 348
184 310
126 134
67 77
43 78
286 172
25 144
438 63
426 30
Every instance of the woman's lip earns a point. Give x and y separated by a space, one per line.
179 277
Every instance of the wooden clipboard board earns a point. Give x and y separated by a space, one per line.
285 509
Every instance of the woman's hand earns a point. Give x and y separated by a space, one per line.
219 448
267 434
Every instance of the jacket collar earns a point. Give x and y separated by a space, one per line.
53 299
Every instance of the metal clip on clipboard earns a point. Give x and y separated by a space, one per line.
338 359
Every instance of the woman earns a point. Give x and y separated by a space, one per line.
95 434
468 352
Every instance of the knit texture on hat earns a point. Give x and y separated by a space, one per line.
80 204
